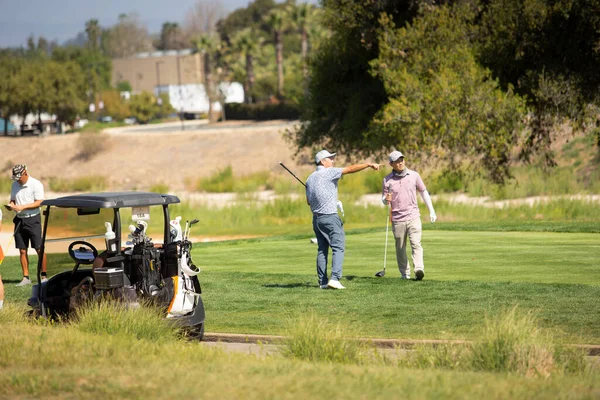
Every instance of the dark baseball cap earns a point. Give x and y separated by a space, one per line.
18 171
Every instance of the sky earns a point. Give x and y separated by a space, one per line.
62 20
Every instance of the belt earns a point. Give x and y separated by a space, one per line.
27 216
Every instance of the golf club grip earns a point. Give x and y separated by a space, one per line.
294 175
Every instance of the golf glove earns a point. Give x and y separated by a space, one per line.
433 217
340 207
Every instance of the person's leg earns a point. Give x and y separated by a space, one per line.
1 293
35 235
322 252
338 246
24 262
399 230
43 260
22 243
414 234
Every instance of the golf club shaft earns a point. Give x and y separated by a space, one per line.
294 175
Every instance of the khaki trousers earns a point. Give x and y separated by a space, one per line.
412 230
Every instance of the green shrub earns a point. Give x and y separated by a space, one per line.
251 183
222 181
262 111
115 318
447 181
510 342
160 188
5 184
94 183
313 339
90 145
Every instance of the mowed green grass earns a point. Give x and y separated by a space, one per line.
258 286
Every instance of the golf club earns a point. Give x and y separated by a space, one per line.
387 226
294 175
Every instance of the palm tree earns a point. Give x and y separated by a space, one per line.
276 19
247 42
93 31
208 45
302 18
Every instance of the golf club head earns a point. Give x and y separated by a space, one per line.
380 274
194 221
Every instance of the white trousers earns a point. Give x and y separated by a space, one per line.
411 229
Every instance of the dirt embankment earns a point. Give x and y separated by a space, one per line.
138 157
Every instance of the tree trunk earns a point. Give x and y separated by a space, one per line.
305 61
208 86
249 77
279 55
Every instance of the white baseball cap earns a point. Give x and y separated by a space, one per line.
323 154
395 155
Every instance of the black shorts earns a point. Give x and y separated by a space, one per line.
29 229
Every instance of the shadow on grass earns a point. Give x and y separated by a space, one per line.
290 285
8 281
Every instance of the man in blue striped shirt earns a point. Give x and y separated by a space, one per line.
322 197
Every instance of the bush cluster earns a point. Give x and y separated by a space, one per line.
262 111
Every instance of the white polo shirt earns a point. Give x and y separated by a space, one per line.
30 192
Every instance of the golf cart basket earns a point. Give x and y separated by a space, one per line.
141 272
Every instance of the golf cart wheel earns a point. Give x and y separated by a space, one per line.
197 332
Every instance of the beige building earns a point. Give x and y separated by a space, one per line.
146 71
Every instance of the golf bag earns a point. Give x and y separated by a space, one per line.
186 284
146 269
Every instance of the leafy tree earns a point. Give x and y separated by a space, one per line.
440 101
247 43
248 17
93 63
171 37
209 46
302 18
94 33
10 67
143 107
548 51
203 17
124 86
126 38
344 96
67 98
114 105
164 108
33 85
276 20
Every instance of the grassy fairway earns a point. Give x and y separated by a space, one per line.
257 286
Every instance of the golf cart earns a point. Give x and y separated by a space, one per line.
141 271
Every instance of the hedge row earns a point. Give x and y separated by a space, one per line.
262 111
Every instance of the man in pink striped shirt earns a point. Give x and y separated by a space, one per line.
400 192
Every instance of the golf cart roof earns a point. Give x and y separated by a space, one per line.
112 200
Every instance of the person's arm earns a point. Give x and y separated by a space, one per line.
386 193
427 200
359 167
19 208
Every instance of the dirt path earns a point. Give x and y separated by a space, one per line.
137 160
